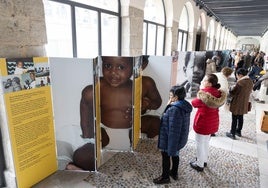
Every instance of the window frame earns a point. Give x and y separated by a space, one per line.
183 35
157 25
99 11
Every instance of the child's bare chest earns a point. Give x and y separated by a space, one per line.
119 99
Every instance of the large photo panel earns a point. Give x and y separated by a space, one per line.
116 102
73 95
190 70
156 83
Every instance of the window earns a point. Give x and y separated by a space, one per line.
102 4
182 40
110 34
183 30
59 31
82 28
87 32
218 42
210 36
198 34
154 28
222 37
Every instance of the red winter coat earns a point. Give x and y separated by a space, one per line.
208 101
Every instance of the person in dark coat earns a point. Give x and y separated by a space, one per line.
206 121
255 72
240 94
173 134
239 65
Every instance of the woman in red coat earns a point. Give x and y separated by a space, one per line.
206 121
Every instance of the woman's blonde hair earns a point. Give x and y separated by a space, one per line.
227 71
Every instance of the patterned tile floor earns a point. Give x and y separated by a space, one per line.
139 168
232 163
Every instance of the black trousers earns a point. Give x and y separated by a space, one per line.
166 165
237 123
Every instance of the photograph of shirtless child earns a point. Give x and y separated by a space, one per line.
151 100
116 111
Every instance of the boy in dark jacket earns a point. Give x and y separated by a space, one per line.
174 131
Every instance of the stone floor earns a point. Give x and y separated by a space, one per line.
232 163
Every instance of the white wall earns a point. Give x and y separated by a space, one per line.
264 43
248 40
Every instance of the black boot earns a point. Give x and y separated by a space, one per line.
164 178
161 180
230 135
238 133
175 165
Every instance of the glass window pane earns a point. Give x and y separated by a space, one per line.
103 4
109 27
208 32
199 25
184 42
207 47
160 40
144 38
154 11
184 20
59 33
180 41
87 33
151 39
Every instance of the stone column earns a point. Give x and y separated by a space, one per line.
203 41
192 40
22 28
168 41
174 30
132 31
23 34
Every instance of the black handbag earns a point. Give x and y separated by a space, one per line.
249 106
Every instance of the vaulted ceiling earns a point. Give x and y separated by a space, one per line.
242 17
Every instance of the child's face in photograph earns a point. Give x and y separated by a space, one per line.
20 64
32 76
188 71
117 70
198 72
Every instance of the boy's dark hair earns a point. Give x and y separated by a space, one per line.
178 91
242 71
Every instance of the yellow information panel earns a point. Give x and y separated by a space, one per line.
3 66
30 122
32 135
